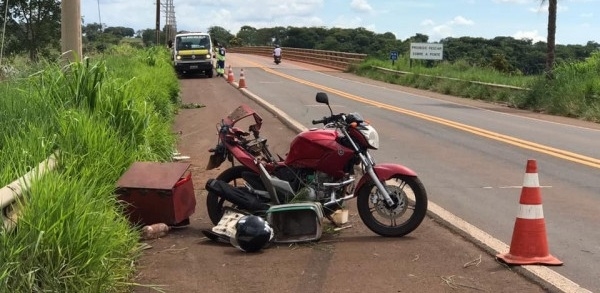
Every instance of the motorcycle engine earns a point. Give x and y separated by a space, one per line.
322 192
309 181
317 180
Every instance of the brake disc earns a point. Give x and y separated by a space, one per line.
400 202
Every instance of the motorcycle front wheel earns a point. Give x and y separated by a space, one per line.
401 218
216 204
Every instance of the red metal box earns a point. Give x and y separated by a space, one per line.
157 193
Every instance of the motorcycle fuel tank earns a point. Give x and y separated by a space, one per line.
319 149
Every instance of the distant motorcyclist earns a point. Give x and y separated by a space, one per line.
277 54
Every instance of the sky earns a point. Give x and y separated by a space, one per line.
578 21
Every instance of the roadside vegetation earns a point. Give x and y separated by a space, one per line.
574 91
98 116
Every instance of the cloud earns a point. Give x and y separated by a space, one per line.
544 8
361 6
199 15
459 20
513 1
233 14
346 22
442 31
427 22
532 35
446 29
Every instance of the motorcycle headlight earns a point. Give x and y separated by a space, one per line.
370 134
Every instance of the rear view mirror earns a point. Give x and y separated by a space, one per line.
322 98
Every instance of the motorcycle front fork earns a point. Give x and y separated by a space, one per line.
368 163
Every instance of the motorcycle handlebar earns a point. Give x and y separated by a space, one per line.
330 119
319 121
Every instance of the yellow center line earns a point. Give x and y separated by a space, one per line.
558 153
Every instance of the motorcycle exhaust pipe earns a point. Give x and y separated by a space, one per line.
240 197
336 204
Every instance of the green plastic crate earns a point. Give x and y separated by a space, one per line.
296 222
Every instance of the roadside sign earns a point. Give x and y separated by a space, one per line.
427 51
394 56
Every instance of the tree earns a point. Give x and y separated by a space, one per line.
39 25
247 36
121 31
91 31
419 38
551 38
220 35
149 37
236 42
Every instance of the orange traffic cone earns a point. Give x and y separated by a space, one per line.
529 244
242 83
230 77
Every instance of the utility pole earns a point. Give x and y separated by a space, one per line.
70 30
157 22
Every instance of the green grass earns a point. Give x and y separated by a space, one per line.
100 115
70 238
574 91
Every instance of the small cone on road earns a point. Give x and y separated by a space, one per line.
529 244
242 83
230 77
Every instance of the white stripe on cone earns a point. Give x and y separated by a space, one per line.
531 180
530 212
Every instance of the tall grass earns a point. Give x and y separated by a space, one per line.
459 70
574 92
26 135
70 238
101 115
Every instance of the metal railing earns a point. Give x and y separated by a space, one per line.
386 70
342 61
331 59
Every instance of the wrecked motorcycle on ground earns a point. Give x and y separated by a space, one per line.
321 166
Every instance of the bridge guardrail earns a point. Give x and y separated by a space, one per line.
342 61
387 70
331 59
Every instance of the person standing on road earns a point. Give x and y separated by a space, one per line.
220 60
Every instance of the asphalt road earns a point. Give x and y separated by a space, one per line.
471 156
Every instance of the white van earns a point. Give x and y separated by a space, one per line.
193 53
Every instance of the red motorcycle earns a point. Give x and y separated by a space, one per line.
321 166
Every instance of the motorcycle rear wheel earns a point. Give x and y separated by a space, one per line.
407 213
216 204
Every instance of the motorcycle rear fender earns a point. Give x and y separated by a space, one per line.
386 171
247 159
243 157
